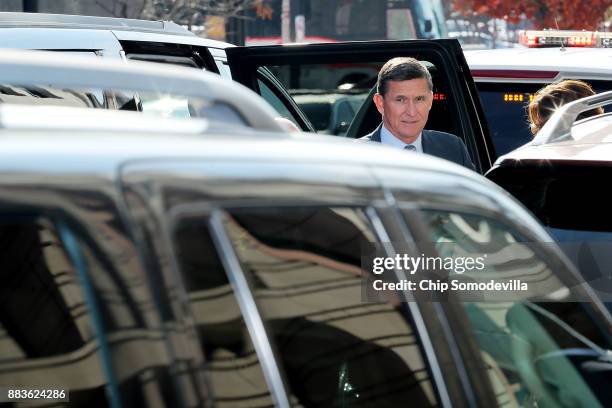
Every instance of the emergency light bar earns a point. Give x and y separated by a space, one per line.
567 38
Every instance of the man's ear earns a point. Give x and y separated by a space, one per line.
378 101
430 100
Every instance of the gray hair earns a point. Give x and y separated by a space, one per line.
401 69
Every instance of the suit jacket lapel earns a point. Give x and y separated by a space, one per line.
425 141
376 134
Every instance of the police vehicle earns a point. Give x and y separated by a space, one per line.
508 78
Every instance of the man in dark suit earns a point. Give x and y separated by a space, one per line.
404 95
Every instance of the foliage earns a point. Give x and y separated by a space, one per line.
567 14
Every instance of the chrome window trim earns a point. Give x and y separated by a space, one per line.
423 334
60 39
457 357
248 307
451 341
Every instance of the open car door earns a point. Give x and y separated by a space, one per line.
328 88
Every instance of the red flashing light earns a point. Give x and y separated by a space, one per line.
532 40
439 97
557 38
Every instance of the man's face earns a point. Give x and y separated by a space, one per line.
405 107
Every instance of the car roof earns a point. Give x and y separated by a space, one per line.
88 156
14 20
60 158
585 63
122 28
26 148
121 144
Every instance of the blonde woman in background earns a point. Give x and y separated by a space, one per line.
553 96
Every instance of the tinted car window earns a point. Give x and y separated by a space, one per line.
561 195
304 265
135 323
45 95
536 353
47 336
232 364
567 198
275 101
318 113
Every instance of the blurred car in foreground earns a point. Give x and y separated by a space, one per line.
52 79
154 267
562 177
507 79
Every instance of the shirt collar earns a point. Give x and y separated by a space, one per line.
387 138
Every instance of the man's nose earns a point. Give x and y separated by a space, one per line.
411 108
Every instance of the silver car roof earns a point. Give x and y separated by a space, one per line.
59 158
581 63
14 20
57 31
61 70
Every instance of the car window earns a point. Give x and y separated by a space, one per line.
567 200
273 99
68 320
47 331
165 106
335 349
320 89
232 365
183 61
51 96
345 115
319 113
536 353
505 107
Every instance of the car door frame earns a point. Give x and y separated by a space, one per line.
244 62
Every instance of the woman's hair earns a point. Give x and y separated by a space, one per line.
553 96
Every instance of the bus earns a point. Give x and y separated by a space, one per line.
348 20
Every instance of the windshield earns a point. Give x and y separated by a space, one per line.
505 107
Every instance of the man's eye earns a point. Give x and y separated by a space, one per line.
420 98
